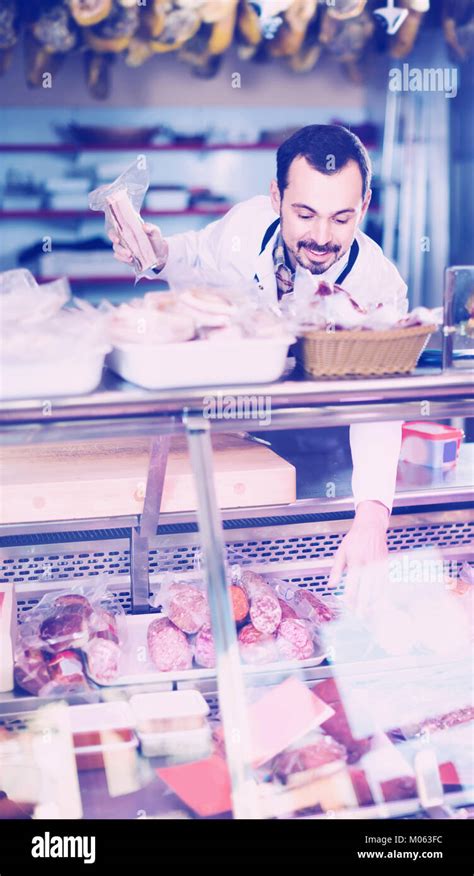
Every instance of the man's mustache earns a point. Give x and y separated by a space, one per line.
314 247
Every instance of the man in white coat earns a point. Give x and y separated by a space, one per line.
311 223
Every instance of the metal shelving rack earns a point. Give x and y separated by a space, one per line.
295 542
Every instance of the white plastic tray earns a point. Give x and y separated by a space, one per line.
201 363
70 376
136 667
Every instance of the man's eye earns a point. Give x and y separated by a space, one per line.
341 221
302 216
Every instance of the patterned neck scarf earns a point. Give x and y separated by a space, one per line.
285 275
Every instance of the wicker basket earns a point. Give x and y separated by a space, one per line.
337 353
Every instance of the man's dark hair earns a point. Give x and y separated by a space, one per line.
327 148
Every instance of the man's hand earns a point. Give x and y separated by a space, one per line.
363 547
160 247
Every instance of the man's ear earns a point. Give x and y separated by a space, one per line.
275 196
365 205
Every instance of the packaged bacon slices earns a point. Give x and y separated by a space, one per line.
69 634
121 201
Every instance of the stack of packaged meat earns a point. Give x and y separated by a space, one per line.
66 636
269 627
197 312
50 344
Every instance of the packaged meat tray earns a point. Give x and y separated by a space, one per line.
50 345
155 650
201 362
198 334
67 631
101 730
172 724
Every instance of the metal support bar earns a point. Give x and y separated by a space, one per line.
309 414
139 570
448 319
229 674
159 453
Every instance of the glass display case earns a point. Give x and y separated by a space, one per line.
198 663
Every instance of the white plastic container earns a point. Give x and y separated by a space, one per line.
201 363
430 444
99 729
71 376
172 724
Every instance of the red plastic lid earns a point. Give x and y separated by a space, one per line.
432 431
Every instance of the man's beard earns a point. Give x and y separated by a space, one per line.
314 267
334 253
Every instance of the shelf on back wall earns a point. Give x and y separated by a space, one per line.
133 147
96 280
74 148
91 214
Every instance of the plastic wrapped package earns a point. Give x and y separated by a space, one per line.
63 355
329 306
257 647
218 303
276 630
185 604
410 615
168 646
172 724
67 634
100 731
265 609
170 640
23 301
153 319
269 629
48 349
173 339
308 756
121 201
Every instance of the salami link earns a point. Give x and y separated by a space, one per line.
188 608
168 646
255 646
294 641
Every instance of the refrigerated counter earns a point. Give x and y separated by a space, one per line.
294 542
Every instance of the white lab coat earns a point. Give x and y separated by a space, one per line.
232 246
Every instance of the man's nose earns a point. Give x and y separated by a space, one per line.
321 232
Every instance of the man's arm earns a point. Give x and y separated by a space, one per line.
187 250
375 449
223 245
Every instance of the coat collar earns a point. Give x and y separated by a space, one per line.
264 267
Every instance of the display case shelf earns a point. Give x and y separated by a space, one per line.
73 148
90 214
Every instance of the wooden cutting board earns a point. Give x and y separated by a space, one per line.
72 480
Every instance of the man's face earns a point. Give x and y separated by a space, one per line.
319 213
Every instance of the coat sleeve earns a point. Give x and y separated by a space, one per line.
195 249
375 449
222 245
